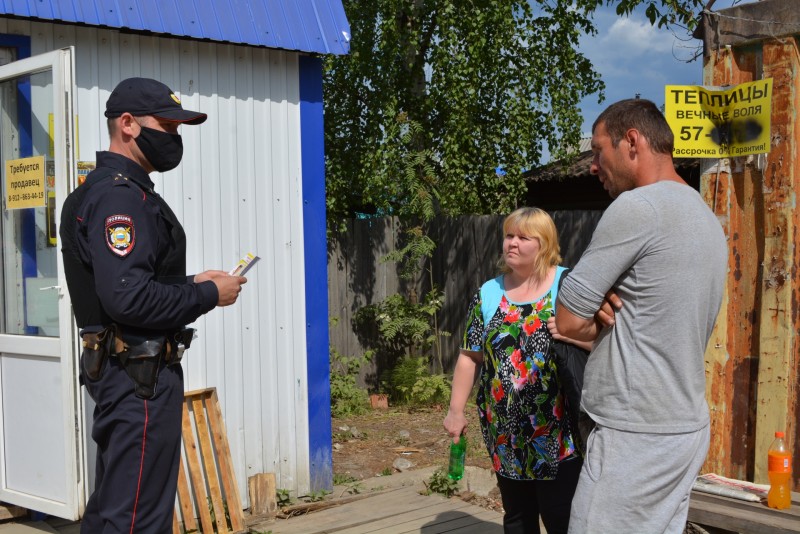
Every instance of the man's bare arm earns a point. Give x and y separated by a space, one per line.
574 327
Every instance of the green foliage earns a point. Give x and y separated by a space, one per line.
430 101
413 384
441 483
405 326
347 435
347 398
352 485
417 247
387 471
436 94
670 13
283 496
408 327
316 496
340 479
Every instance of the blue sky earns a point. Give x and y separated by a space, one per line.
634 57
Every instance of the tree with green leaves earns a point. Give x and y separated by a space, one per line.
439 109
441 105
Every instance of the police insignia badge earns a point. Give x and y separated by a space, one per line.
119 234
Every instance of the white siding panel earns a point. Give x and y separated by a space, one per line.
237 190
269 307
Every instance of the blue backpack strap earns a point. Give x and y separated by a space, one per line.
491 295
560 275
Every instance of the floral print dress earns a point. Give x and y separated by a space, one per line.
520 404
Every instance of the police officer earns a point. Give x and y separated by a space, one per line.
125 262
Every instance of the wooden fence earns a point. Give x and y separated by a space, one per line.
467 251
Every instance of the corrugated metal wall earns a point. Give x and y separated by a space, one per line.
237 190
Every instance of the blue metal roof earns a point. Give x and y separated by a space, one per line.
304 25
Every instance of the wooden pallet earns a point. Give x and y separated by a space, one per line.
207 489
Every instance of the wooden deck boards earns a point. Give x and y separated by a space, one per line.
743 516
397 511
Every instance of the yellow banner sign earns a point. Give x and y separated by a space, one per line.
25 183
722 123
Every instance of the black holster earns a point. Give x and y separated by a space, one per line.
141 358
97 347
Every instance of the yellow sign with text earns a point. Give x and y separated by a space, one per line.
711 123
25 183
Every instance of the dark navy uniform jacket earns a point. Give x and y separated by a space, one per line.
121 237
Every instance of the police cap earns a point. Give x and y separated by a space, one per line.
145 96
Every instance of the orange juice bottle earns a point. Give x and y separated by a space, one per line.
780 473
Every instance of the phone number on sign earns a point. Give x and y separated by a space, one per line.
22 197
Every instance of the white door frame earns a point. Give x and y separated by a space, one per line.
29 353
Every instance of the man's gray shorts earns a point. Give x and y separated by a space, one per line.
637 483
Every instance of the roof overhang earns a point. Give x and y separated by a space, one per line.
314 26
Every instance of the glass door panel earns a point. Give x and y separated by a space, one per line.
29 255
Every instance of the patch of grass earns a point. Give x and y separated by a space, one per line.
347 435
441 483
316 496
356 488
340 479
283 496
387 471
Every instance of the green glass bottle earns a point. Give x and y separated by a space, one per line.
458 453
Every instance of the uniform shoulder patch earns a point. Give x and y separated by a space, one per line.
120 235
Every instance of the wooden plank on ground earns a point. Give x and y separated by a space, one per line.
185 502
743 516
227 472
401 508
425 514
447 516
196 473
209 463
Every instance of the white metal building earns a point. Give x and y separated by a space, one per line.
252 180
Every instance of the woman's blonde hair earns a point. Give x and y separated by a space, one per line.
534 222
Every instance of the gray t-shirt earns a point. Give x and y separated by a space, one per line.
664 252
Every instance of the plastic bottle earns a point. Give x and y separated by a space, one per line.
780 473
458 453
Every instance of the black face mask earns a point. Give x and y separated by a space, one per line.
163 150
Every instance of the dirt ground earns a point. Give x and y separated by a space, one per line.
374 444
384 442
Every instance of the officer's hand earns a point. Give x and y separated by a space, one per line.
208 275
229 288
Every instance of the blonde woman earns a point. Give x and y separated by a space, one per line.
521 408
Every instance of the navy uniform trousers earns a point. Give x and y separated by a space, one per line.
138 452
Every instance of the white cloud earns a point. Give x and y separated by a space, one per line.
637 38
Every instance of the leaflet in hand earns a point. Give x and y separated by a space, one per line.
244 264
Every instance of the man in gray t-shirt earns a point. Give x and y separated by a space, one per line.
661 250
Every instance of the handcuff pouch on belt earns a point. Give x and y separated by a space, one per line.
177 344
